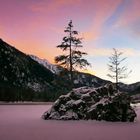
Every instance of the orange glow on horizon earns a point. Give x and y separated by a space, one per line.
89 71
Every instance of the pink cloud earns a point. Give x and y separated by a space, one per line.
1 29
103 10
96 13
53 5
132 12
130 15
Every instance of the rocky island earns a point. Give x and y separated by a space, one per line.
85 103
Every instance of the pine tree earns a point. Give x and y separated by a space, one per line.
73 58
118 71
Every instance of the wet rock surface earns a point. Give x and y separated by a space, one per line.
92 103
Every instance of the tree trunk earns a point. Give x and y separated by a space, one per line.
117 74
71 73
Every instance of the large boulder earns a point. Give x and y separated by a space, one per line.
92 103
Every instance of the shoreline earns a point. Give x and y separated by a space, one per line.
26 103
45 103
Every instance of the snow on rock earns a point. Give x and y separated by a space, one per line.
92 103
46 64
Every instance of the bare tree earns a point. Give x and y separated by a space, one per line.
118 71
73 57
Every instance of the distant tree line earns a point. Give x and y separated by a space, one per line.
12 94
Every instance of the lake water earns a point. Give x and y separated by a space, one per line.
23 122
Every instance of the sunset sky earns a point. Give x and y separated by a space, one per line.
36 27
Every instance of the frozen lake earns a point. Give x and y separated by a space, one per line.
23 122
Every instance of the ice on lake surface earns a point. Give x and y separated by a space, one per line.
23 122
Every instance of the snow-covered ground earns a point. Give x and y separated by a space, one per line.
23 122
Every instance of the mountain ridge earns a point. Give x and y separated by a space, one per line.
18 69
53 68
22 71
